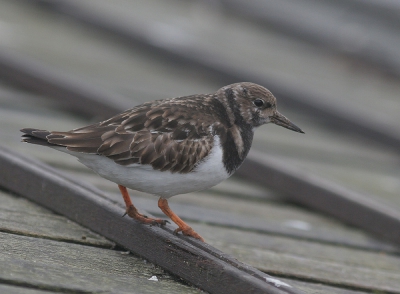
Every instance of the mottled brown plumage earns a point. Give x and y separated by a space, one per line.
172 134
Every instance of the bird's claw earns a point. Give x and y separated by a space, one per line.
159 222
188 231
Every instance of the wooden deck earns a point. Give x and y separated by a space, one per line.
309 250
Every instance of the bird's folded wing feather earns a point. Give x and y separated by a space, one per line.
166 136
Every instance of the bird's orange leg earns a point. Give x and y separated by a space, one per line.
183 227
133 212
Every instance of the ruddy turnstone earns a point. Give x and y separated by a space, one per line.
172 146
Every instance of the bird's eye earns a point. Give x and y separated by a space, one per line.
258 102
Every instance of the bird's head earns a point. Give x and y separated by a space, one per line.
254 104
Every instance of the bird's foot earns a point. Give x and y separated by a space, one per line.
182 226
133 213
188 231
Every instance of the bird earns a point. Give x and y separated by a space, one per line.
171 146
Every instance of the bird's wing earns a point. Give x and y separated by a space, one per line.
165 134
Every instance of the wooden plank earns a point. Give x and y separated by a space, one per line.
316 288
349 162
73 94
194 261
328 273
309 261
323 195
71 268
20 216
303 17
12 289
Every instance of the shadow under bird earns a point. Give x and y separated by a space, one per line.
172 146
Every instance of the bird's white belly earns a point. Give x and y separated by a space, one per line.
162 183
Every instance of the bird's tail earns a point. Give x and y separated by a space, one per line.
35 136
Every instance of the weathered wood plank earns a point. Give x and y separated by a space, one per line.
324 272
12 289
20 216
374 19
347 161
316 288
231 239
311 190
63 267
19 71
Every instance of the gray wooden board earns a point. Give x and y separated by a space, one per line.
321 263
335 25
348 161
60 266
12 289
316 288
20 216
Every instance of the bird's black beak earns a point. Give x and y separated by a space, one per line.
282 121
